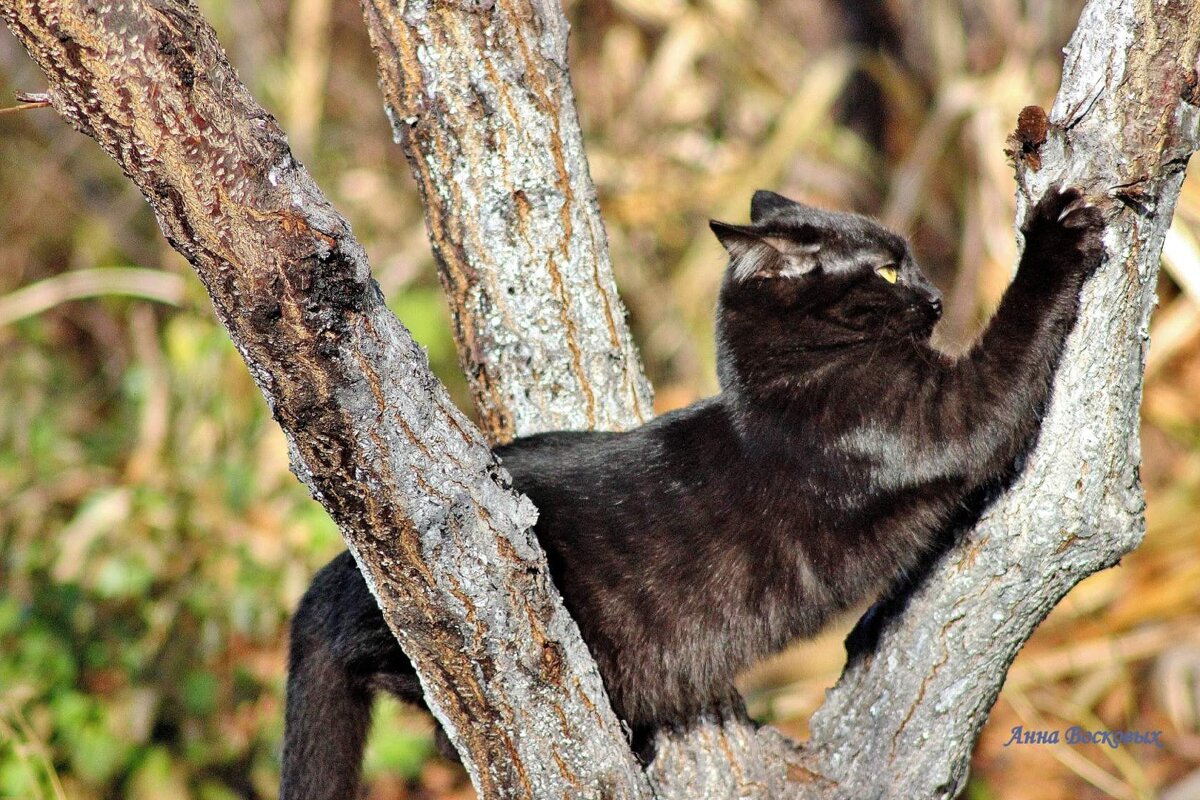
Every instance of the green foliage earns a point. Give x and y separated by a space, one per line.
153 544
395 748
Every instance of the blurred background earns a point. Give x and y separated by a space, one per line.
152 540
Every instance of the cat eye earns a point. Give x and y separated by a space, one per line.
888 273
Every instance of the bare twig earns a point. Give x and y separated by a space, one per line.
28 100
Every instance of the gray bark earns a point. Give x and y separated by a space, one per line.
479 95
487 121
443 541
903 722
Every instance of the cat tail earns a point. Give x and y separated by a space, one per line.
327 717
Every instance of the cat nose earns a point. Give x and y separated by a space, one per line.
936 305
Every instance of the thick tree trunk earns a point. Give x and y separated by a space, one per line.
479 95
443 541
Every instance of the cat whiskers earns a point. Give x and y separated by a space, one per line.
924 350
879 339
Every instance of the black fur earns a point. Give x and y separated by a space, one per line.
840 449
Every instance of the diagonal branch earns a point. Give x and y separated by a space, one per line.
902 722
444 542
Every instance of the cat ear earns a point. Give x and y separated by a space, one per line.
757 253
764 202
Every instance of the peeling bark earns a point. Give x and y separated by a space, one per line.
444 542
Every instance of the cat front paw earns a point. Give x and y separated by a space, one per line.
1066 230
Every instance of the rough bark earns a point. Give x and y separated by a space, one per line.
445 544
901 723
479 95
480 99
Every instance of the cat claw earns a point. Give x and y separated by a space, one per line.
1075 205
1052 208
1079 212
1082 214
1064 220
1068 207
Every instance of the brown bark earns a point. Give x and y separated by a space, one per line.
443 541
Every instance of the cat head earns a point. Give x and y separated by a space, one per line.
843 270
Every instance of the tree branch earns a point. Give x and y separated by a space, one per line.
885 729
476 90
443 541
479 95
903 721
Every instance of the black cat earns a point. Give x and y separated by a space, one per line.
839 449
